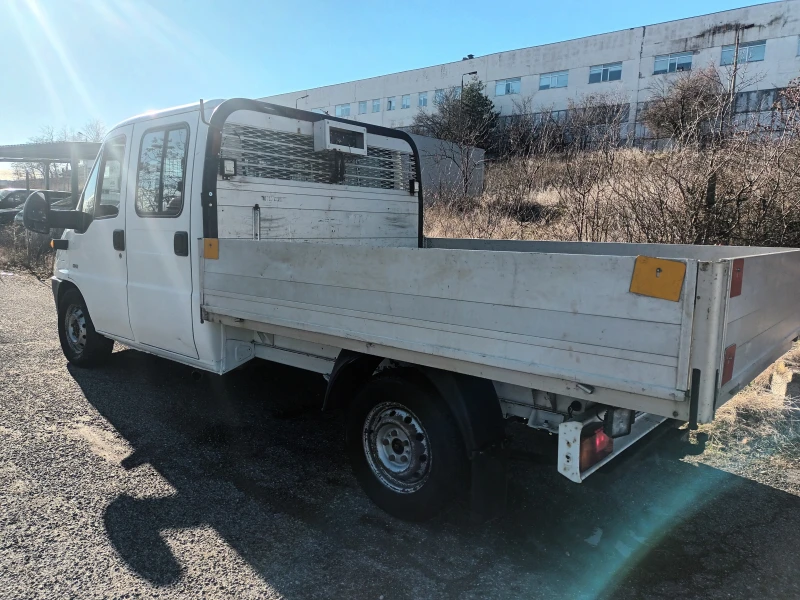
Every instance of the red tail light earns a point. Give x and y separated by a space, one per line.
594 448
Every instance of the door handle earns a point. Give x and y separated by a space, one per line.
118 238
180 243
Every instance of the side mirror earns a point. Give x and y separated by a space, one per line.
36 214
38 217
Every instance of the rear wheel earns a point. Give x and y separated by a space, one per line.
81 344
405 446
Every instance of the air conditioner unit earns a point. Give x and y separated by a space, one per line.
344 137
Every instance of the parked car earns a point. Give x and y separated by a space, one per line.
57 201
11 201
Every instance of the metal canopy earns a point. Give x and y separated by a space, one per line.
49 152
64 152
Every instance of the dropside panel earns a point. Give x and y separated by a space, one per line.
565 316
762 317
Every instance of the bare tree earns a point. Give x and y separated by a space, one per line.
688 108
93 131
596 129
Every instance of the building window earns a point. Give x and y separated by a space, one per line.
609 72
391 103
506 87
748 52
422 101
376 105
342 110
406 101
670 63
438 97
553 80
362 107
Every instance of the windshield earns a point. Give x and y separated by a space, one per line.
4 193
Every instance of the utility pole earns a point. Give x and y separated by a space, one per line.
462 143
732 103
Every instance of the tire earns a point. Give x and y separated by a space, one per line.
405 447
81 344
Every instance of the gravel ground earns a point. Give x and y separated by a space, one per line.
134 480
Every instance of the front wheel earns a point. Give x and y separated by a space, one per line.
405 446
81 344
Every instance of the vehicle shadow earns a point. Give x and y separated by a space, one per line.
250 455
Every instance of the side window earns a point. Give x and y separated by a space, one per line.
89 191
19 199
160 177
110 174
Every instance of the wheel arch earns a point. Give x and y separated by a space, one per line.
350 371
64 285
472 400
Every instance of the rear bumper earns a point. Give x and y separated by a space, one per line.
55 282
569 445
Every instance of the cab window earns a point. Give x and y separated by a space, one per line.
161 171
110 174
13 199
89 192
101 193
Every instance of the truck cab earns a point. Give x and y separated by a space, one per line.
130 256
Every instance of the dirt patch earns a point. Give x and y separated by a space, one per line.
12 480
102 443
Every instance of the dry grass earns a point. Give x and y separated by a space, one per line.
535 217
762 418
21 250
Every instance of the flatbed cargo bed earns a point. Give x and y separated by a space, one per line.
555 316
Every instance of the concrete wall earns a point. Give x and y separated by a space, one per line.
777 22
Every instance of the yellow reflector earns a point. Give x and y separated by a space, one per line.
658 278
52 243
211 248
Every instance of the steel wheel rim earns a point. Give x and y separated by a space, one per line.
397 448
75 328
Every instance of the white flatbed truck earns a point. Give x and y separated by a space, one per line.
214 234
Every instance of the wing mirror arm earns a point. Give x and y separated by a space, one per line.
69 219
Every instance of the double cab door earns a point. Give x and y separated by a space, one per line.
133 262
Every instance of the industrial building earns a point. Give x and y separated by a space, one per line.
627 63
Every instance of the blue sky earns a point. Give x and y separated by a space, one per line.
63 62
